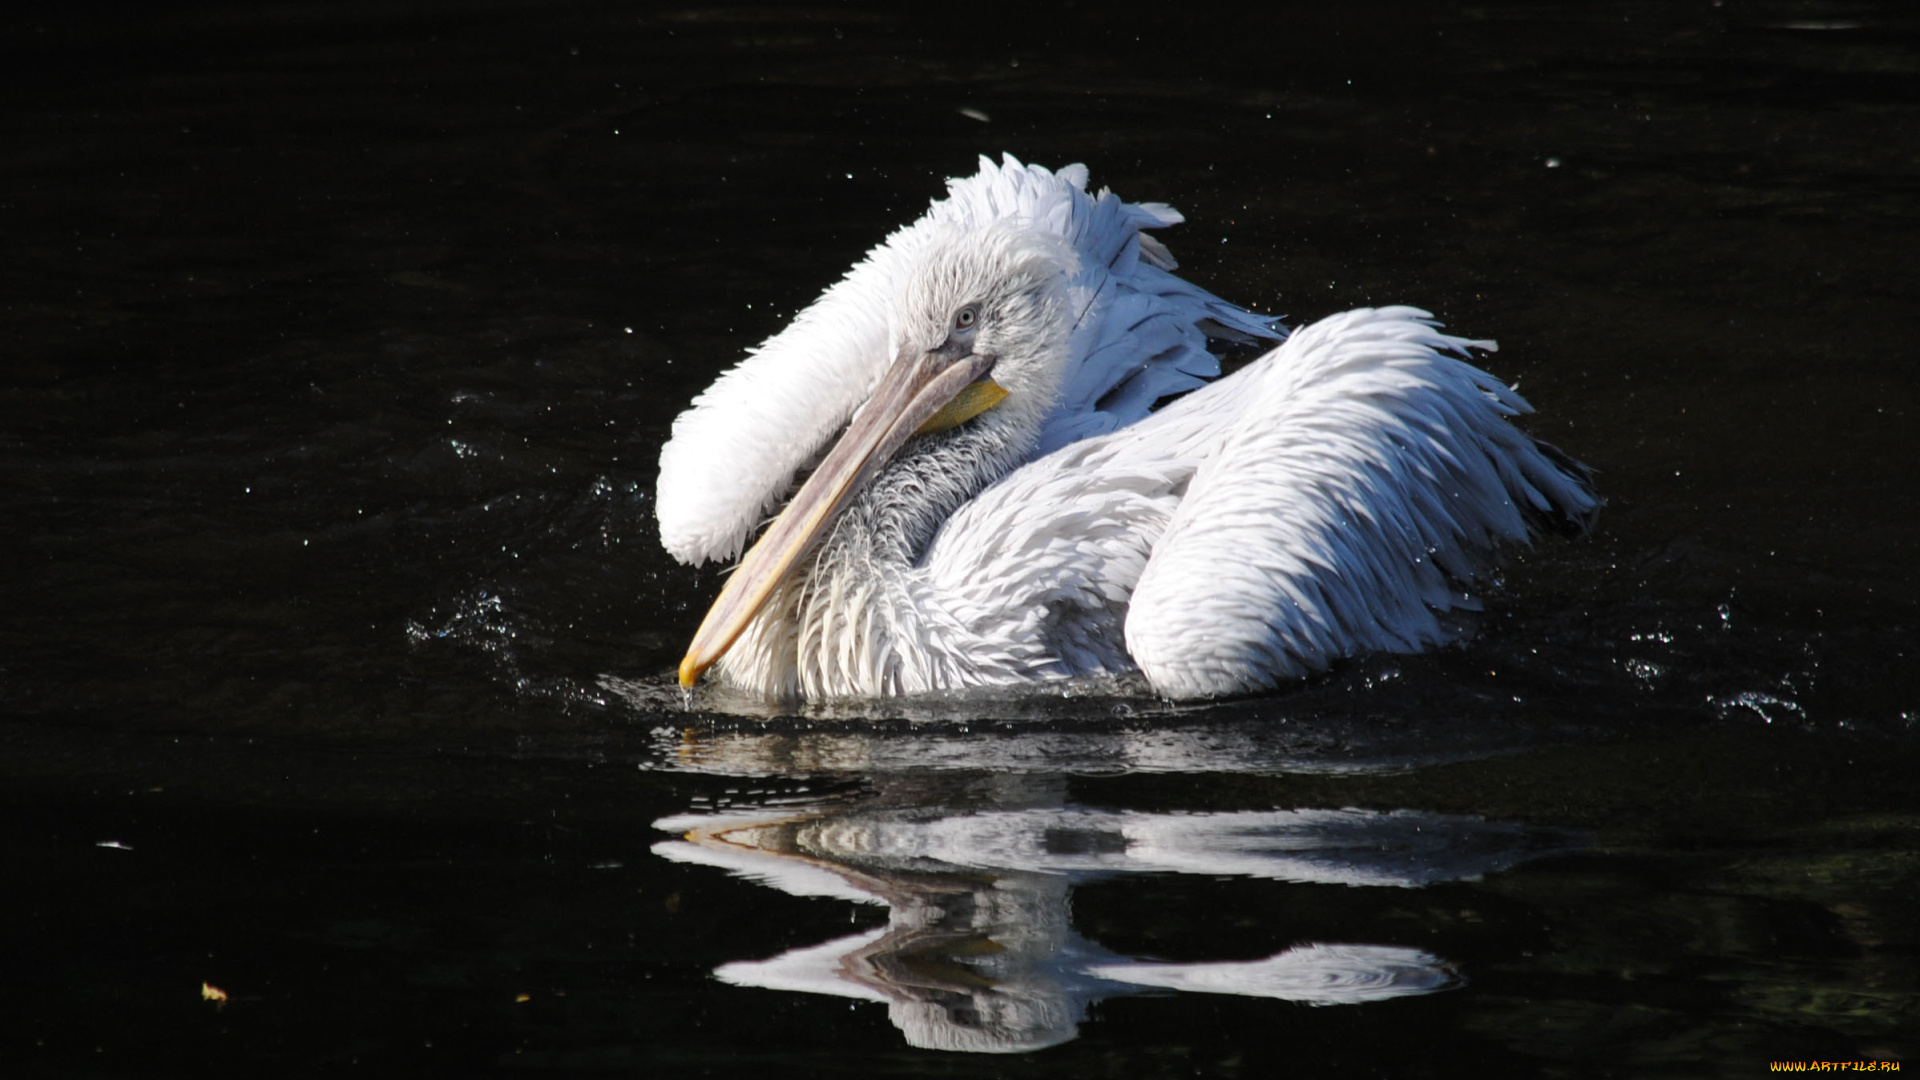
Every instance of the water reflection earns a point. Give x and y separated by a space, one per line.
979 952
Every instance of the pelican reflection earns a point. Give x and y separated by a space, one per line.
979 952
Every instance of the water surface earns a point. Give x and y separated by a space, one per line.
339 346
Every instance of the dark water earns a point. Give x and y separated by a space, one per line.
338 343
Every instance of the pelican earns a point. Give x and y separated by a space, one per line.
1021 465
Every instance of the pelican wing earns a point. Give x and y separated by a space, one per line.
1140 336
1327 500
1365 483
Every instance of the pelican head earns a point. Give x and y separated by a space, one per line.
979 336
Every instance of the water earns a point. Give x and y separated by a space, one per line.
339 346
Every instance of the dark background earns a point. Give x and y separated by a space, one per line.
337 343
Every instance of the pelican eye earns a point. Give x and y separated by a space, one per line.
966 317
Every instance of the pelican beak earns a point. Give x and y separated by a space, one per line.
921 391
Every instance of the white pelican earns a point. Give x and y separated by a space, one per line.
1003 504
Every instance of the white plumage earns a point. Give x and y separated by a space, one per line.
1328 499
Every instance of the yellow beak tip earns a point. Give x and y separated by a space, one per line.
690 670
